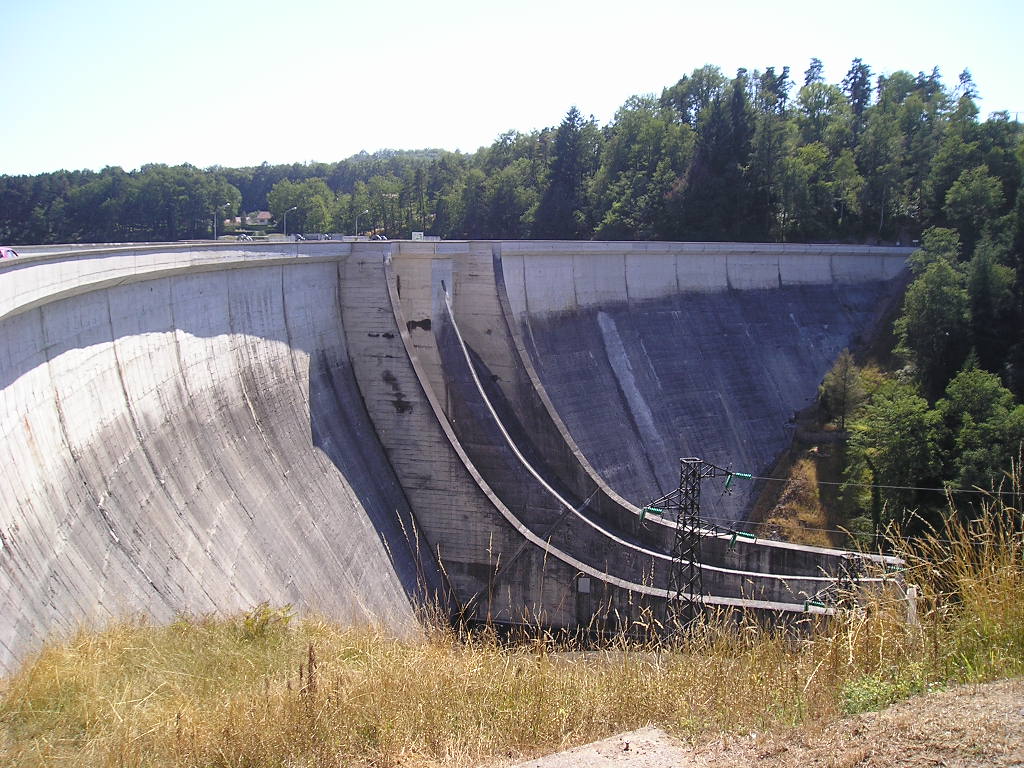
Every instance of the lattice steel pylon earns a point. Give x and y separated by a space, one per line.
685 581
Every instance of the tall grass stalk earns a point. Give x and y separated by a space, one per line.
264 689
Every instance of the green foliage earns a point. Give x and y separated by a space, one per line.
857 87
313 200
563 208
263 621
892 445
933 327
994 314
711 158
644 152
968 439
979 427
715 200
937 244
953 307
873 692
957 153
972 200
842 391
694 93
823 115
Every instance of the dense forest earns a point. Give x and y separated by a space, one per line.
755 157
896 158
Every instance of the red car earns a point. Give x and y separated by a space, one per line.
6 252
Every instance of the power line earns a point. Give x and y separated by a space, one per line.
845 532
893 487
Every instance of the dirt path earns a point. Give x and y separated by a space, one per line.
967 727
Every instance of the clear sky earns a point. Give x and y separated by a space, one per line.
119 82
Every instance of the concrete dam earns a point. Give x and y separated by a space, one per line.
351 427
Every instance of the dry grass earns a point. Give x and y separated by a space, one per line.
240 691
798 515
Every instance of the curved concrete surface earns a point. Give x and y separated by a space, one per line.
771 559
202 428
565 523
702 350
516 440
192 443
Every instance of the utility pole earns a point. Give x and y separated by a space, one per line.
685 582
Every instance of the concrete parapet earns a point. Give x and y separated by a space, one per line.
555 277
38 279
699 273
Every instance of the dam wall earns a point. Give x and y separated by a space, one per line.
357 428
489 571
514 435
700 350
184 439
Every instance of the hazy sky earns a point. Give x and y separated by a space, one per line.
112 82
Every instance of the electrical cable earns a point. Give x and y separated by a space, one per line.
894 487
879 535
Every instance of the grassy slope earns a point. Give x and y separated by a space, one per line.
801 509
238 691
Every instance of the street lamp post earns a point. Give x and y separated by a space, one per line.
293 208
216 215
357 220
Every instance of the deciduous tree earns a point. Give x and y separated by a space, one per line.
972 200
933 329
891 445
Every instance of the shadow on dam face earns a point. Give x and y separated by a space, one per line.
713 375
196 444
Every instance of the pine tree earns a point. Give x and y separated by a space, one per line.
857 87
562 206
842 391
813 73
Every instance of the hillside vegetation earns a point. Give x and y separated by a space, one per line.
756 156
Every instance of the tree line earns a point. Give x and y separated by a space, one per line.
757 156
944 410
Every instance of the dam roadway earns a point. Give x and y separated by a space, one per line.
353 428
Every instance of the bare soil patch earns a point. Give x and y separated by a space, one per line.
966 726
